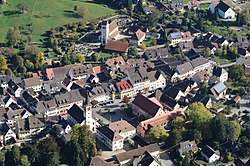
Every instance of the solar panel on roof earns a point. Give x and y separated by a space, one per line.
219 87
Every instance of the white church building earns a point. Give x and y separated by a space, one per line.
109 31
222 9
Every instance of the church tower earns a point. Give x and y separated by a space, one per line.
90 120
104 32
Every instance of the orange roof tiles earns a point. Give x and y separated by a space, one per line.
124 85
97 69
139 34
158 120
50 73
117 46
114 61
186 36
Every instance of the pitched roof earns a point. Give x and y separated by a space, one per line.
4 128
184 68
183 85
167 101
97 69
166 69
188 146
186 36
171 91
60 71
200 98
77 113
208 151
223 6
175 35
117 60
98 161
247 70
147 159
186 46
113 25
137 75
219 88
158 120
29 123
50 73
154 99
136 152
218 71
121 126
139 34
117 46
199 61
145 104
110 134
124 85
80 69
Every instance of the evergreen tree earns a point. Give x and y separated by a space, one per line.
130 4
48 152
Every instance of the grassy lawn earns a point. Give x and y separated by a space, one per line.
45 14
220 60
242 33
185 1
232 85
218 106
147 43
105 56
221 30
205 6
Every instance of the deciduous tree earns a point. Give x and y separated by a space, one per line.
80 58
81 147
154 42
132 51
13 36
31 151
3 64
39 59
158 134
199 114
24 161
224 129
23 7
82 11
31 51
235 72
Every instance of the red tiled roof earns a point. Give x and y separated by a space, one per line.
50 73
113 35
139 34
114 61
97 69
158 120
186 36
124 85
117 46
